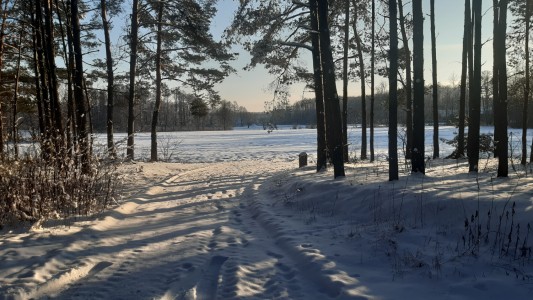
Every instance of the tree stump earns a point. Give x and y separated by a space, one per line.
302 159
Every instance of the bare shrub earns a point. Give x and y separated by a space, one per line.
34 190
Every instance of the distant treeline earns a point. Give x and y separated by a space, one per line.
303 112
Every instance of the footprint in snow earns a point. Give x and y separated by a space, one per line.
273 254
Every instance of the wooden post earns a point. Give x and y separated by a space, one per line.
302 159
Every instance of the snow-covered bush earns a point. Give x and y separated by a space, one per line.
33 189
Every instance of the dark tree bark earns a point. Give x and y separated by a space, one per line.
345 81
500 61
393 96
2 36
158 82
372 79
359 46
51 71
435 84
475 92
43 90
110 80
79 95
467 41
70 126
527 87
38 91
408 85
418 150
133 66
331 98
496 77
322 159
14 106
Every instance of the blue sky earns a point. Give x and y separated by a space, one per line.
250 88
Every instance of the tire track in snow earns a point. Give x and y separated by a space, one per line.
207 287
309 262
190 236
61 274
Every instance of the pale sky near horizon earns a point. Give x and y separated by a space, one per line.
250 88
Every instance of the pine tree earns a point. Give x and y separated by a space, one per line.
418 151
393 96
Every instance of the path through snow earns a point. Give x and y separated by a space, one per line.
266 230
199 234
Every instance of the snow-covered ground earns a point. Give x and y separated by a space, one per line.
243 222
282 144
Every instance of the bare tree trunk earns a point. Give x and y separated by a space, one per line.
2 35
79 95
331 98
345 81
110 81
157 105
393 95
496 77
53 85
70 126
47 145
322 159
526 88
475 92
15 99
418 151
502 143
372 80
408 85
38 91
435 83
133 65
467 40
359 46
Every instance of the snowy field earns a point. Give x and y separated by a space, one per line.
283 144
239 220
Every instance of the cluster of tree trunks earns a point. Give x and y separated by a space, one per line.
57 139
65 128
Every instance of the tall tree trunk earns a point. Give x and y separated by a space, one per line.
14 106
372 80
44 90
359 45
53 85
467 41
526 88
70 126
496 77
435 84
2 35
79 95
502 142
408 85
475 92
158 82
418 151
345 81
393 95
133 65
322 159
331 98
37 75
110 81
